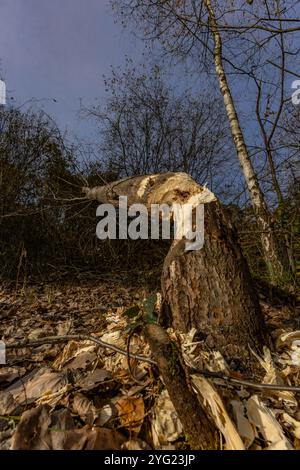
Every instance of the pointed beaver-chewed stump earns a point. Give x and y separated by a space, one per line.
211 289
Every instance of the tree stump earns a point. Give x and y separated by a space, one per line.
211 289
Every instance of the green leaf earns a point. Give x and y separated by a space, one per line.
149 307
132 311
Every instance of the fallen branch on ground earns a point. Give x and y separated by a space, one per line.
213 375
65 338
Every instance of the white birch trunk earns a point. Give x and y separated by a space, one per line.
276 260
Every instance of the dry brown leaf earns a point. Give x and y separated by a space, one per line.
114 337
84 408
32 432
6 439
131 412
91 438
135 444
52 399
106 414
36 385
273 376
292 424
64 328
9 374
37 430
94 379
286 339
37 333
61 422
71 351
296 444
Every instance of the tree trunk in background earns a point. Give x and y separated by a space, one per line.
211 288
275 257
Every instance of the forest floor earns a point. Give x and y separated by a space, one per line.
79 395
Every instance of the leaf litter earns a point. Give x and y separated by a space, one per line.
80 396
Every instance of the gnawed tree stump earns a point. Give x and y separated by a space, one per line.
210 289
165 188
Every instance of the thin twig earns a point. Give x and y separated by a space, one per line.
245 383
138 357
65 338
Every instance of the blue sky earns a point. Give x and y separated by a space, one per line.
59 49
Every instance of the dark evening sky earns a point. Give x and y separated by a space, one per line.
59 50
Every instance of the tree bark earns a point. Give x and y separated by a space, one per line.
276 259
198 427
211 288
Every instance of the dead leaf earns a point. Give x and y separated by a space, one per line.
106 414
273 376
131 413
84 408
32 430
71 351
88 438
286 339
292 424
114 337
64 328
6 439
135 444
94 379
84 361
61 422
36 334
36 385
9 374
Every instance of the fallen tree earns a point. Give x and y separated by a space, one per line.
210 289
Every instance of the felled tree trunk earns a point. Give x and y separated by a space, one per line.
211 288
164 188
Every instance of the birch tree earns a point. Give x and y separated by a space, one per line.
202 27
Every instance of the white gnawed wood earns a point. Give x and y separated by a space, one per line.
165 188
212 400
245 429
261 417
